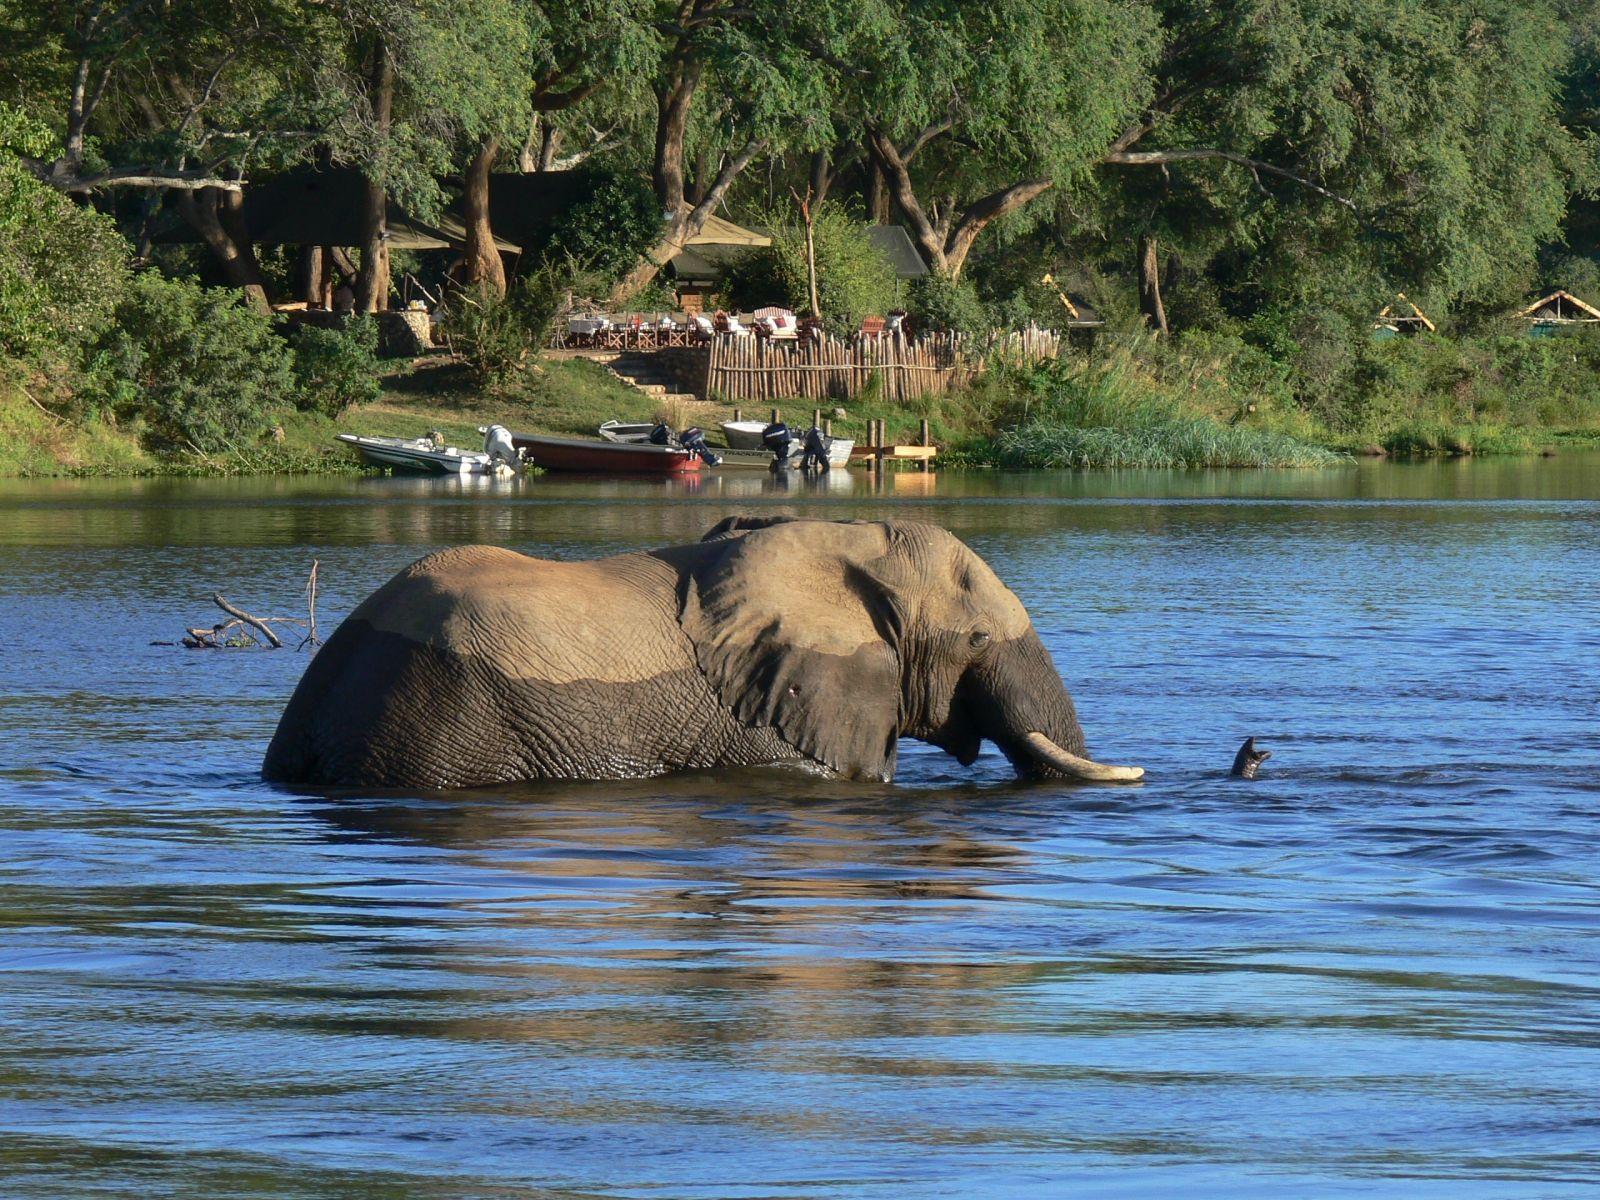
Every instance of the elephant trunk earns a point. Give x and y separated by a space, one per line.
1025 709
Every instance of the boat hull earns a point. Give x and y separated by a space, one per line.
395 453
744 435
838 455
605 458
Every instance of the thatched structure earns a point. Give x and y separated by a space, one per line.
1403 316
1558 310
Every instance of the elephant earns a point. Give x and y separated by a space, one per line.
778 641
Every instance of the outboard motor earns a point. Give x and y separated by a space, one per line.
661 435
694 440
497 444
777 439
815 456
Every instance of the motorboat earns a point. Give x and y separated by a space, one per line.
838 455
626 431
744 435
427 455
605 457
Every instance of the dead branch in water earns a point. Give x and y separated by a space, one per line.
247 629
311 638
254 622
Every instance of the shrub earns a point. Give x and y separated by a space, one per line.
194 364
489 336
607 231
336 368
496 337
854 280
62 268
938 302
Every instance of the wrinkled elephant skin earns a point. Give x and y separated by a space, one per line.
811 644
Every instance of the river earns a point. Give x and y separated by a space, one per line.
1374 971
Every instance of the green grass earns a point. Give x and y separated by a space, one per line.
35 442
565 397
1176 442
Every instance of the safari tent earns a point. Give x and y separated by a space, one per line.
310 206
703 265
1559 310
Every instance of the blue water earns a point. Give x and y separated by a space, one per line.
1375 971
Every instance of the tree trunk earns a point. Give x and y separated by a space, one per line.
483 269
682 226
341 264
316 277
202 210
978 215
821 175
897 180
695 186
877 196
372 281
811 256
1155 313
672 122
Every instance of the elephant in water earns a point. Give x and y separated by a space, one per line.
812 644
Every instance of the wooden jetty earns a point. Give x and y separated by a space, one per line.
876 448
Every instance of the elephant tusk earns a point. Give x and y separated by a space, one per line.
1079 768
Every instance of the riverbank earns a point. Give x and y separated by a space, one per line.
1077 415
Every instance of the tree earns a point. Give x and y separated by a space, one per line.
575 51
757 89
972 112
412 83
142 91
1426 140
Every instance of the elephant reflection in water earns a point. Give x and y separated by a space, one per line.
651 917
775 641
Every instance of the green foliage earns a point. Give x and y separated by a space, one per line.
1128 408
937 302
23 133
336 368
496 338
610 228
854 280
197 368
62 268
490 336
1178 441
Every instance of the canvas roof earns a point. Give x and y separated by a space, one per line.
1560 306
895 244
705 259
718 231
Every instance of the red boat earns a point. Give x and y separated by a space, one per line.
605 458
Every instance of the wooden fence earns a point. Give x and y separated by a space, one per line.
756 370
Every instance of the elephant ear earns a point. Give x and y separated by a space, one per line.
796 626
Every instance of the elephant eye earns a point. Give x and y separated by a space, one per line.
978 639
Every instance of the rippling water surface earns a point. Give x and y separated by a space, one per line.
1374 971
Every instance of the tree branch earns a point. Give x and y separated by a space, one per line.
139 177
1147 158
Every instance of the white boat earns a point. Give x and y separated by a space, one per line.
838 454
418 454
623 431
744 435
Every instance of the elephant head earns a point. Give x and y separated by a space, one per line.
846 636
